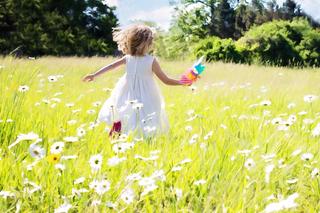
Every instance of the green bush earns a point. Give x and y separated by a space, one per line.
283 43
216 49
278 43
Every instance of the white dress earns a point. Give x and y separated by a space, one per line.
136 100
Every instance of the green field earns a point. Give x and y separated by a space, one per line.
244 139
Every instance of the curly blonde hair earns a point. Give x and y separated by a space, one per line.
134 40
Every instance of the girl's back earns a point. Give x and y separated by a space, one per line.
139 66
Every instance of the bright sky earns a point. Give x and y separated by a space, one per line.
160 11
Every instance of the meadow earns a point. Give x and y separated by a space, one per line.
242 139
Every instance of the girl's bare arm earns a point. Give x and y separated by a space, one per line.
162 76
113 65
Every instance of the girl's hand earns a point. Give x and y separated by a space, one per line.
185 81
88 78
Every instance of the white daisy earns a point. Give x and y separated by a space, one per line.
207 136
316 131
60 166
306 156
63 208
296 152
23 88
194 139
149 188
188 128
37 151
69 157
96 203
115 160
91 111
57 100
134 177
79 180
78 192
127 195
96 104
81 132
184 161
102 187
111 205
21 137
245 152
7 194
57 147
292 181
315 173
71 139
310 98
176 168
291 105
159 174
282 204
199 182
122 147
265 103
268 170
69 105
249 164
178 193
95 162
308 121
146 181
52 78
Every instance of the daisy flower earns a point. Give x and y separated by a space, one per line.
6 194
306 156
71 139
199 182
79 180
127 195
315 173
115 160
81 132
134 177
37 151
310 98
23 88
249 164
63 208
57 147
95 162
52 78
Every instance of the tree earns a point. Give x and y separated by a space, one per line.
57 27
225 20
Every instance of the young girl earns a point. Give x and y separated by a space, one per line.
136 103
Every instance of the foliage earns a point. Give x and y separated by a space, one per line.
283 43
216 49
232 18
56 27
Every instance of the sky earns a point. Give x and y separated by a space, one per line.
160 11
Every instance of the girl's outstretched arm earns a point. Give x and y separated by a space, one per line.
115 64
162 76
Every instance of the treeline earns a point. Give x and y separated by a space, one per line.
56 27
280 43
257 31
241 32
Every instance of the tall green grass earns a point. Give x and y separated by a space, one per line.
226 100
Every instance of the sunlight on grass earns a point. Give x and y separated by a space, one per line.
242 139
